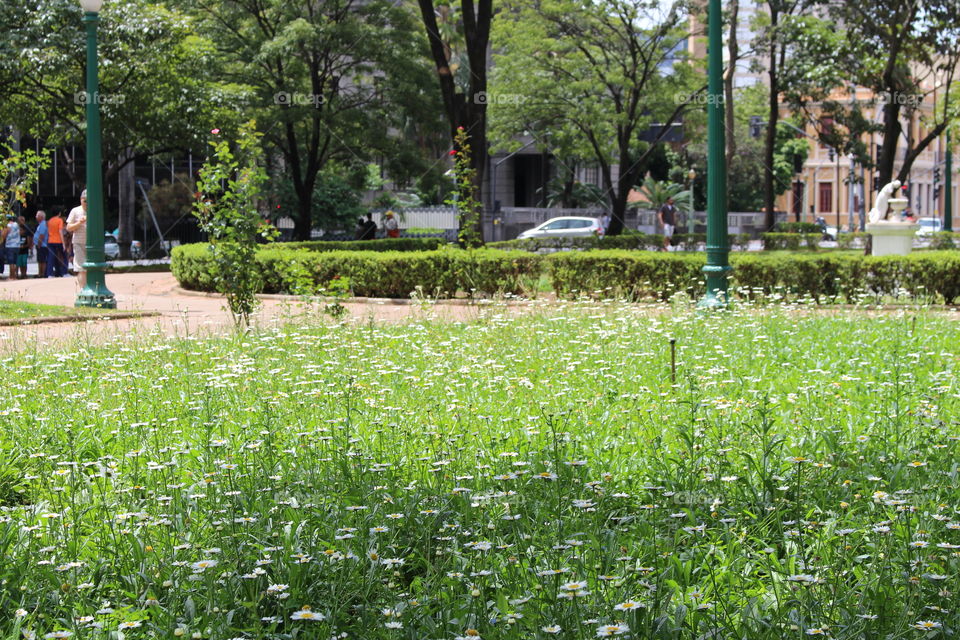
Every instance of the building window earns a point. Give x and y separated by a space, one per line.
826 197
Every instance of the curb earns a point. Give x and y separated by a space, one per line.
14 322
462 302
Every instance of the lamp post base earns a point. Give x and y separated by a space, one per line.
95 294
716 296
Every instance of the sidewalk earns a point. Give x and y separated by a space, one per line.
182 313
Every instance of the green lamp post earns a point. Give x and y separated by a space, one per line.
718 245
95 293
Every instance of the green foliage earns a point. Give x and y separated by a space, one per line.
626 241
19 172
335 203
382 244
469 209
857 239
791 241
657 193
944 240
796 227
229 186
931 276
386 274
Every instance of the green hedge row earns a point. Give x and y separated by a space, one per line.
823 277
944 240
382 244
628 241
791 241
388 274
796 227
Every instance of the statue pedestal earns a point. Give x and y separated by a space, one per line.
892 238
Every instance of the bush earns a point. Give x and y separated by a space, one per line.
624 241
943 240
693 241
856 239
796 227
384 244
388 274
824 277
790 241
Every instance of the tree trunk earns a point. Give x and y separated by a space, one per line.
772 117
891 135
733 51
128 204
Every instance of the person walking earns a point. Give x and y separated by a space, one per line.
56 257
40 244
667 216
11 244
391 226
370 226
77 226
26 244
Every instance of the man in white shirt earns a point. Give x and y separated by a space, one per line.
77 225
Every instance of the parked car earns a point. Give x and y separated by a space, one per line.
111 249
929 226
565 227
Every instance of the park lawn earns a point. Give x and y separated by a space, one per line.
521 476
13 310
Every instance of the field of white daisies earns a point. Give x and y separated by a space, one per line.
521 476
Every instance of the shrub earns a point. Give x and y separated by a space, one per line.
624 241
790 241
796 227
625 274
384 244
856 239
693 241
389 274
943 240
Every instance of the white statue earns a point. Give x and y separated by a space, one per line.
881 209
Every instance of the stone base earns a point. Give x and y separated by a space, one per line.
892 238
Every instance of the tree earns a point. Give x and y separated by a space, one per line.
903 51
597 74
157 93
458 38
321 75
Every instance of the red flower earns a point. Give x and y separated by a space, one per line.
453 152
215 132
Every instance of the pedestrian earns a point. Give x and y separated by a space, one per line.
77 226
360 230
667 216
371 228
605 222
391 226
26 244
40 243
56 256
11 244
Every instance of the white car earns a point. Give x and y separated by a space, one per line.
929 226
111 249
565 227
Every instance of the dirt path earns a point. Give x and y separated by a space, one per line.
183 313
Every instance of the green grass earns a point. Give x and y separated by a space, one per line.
15 310
491 479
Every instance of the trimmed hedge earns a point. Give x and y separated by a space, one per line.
791 241
942 240
382 244
389 274
624 241
796 227
823 277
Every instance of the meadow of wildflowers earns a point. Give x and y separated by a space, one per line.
521 476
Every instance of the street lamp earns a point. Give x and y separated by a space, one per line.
95 293
718 244
691 176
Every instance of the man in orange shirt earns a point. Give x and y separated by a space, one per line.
56 259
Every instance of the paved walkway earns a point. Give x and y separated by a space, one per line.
183 313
